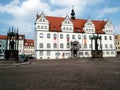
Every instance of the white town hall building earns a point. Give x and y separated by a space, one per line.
58 37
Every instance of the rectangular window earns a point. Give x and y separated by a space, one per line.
61 36
86 53
89 45
73 36
90 37
48 45
61 45
41 45
79 36
111 46
84 36
79 45
105 37
85 46
112 53
110 38
54 45
48 53
107 53
55 36
68 45
48 35
106 46
80 53
41 35
67 36
41 53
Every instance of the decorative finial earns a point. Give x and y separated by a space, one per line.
73 13
72 7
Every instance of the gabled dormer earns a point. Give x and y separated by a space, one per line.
89 26
109 28
42 23
67 25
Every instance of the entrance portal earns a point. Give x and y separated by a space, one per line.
75 53
74 48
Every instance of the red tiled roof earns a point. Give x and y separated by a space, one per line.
55 24
3 37
29 42
78 25
99 25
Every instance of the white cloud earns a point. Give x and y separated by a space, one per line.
24 13
107 10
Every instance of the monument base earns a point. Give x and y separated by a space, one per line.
97 54
11 54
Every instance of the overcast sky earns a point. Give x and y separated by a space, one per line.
22 13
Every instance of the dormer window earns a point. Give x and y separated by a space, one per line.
38 26
43 20
40 20
45 27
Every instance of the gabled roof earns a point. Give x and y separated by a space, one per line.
29 42
99 26
55 24
3 37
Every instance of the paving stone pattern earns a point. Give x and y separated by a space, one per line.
73 74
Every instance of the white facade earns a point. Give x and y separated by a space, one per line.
21 47
29 47
52 44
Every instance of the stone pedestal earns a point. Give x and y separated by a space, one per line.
11 54
96 54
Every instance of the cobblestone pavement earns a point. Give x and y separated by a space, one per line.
76 74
